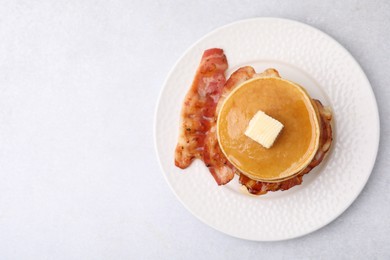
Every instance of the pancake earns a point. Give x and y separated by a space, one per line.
295 146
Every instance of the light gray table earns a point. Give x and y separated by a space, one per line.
79 81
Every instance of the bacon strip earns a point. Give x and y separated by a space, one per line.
221 169
198 109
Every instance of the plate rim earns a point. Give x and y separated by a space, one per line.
328 37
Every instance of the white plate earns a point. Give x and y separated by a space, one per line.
311 58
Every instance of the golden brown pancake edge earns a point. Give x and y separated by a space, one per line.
314 126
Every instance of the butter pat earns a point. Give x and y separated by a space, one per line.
263 129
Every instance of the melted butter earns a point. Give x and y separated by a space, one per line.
294 146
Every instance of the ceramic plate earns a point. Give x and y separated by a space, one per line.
312 59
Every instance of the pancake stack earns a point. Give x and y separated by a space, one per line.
296 145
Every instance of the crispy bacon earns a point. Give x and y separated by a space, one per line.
199 108
221 169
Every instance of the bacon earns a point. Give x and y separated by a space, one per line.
197 115
221 169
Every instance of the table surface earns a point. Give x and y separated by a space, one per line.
79 82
